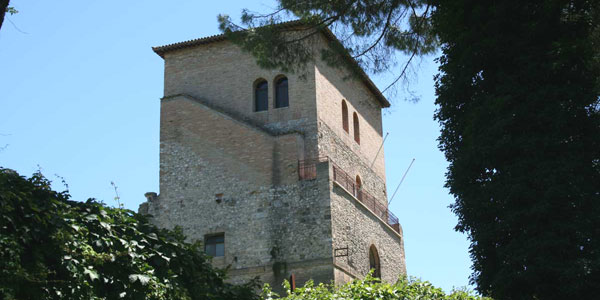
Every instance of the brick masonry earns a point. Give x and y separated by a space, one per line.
212 143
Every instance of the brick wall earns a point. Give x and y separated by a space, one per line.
212 142
333 86
355 227
224 76
273 223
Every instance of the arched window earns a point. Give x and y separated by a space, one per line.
345 116
281 93
356 128
374 262
358 188
261 95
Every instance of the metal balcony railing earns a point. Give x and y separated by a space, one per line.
365 198
307 170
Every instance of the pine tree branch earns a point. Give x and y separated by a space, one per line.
414 51
383 32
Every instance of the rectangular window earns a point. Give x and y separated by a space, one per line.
281 93
214 245
261 96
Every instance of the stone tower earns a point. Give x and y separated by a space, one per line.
277 173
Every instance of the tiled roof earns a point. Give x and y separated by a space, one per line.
161 50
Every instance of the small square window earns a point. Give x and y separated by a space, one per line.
214 245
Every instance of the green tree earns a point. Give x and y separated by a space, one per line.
520 120
518 97
370 32
55 248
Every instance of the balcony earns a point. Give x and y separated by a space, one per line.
307 170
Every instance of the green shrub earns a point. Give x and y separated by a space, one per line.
372 288
55 248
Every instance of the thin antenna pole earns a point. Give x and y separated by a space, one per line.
381 146
401 180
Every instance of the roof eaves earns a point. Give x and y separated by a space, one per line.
161 50
365 78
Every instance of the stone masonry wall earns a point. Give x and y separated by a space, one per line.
273 223
214 143
355 227
330 144
333 86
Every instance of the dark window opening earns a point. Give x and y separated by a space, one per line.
374 262
261 96
214 245
345 116
356 128
282 98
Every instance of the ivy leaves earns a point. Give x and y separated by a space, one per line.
55 248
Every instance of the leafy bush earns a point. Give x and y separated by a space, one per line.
372 288
55 248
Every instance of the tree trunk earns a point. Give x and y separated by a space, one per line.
3 7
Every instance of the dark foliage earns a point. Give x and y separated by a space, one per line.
370 32
519 109
55 248
518 96
3 10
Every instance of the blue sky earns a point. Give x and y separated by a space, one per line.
80 99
